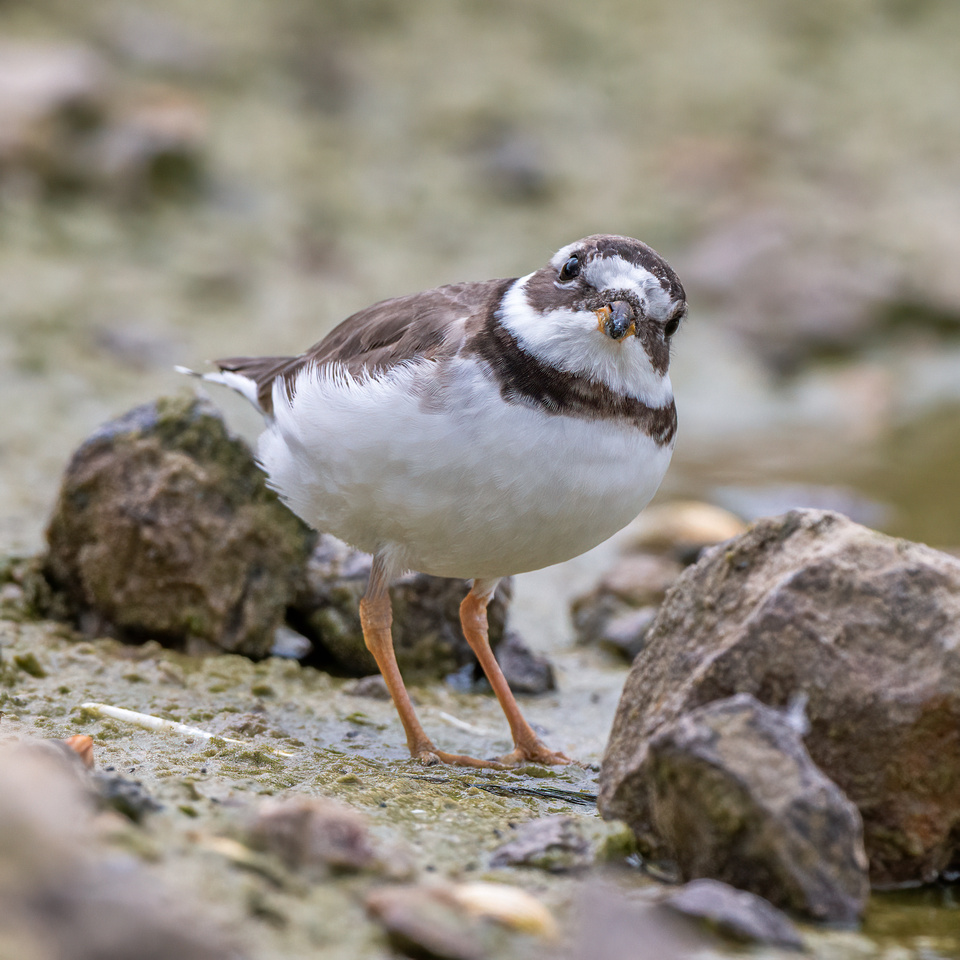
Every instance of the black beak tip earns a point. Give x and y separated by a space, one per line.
622 317
615 330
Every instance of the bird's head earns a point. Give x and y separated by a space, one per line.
605 306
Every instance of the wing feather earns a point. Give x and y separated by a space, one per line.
428 325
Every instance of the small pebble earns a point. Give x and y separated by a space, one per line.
736 914
374 687
683 528
313 834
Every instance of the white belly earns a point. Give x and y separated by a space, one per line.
458 485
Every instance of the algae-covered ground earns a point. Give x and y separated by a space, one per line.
303 733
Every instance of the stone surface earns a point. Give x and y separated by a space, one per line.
735 914
128 797
313 835
67 123
625 633
51 96
426 616
557 844
60 896
373 687
458 921
733 795
617 613
165 529
866 626
560 844
682 528
290 645
609 925
422 922
525 671
640 579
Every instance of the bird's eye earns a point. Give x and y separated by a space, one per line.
570 270
672 325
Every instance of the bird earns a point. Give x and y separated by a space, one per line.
477 430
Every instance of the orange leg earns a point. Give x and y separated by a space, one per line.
473 619
376 616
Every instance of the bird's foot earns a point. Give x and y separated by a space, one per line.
534 752
530 752
429 755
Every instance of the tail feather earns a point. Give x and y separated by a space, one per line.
252 377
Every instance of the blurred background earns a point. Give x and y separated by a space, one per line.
182 180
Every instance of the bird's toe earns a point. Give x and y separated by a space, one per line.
431 756
534 753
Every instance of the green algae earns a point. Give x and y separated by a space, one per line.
29 663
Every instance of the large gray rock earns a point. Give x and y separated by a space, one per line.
866 626
733 795
165 529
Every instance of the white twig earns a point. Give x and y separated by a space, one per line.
150 722
463 725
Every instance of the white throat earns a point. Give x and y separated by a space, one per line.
570 341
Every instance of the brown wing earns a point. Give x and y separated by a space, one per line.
431 325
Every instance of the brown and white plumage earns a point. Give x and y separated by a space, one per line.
478 430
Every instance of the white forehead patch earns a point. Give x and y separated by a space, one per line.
615 273
563 254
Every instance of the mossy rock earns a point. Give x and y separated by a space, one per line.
165 528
